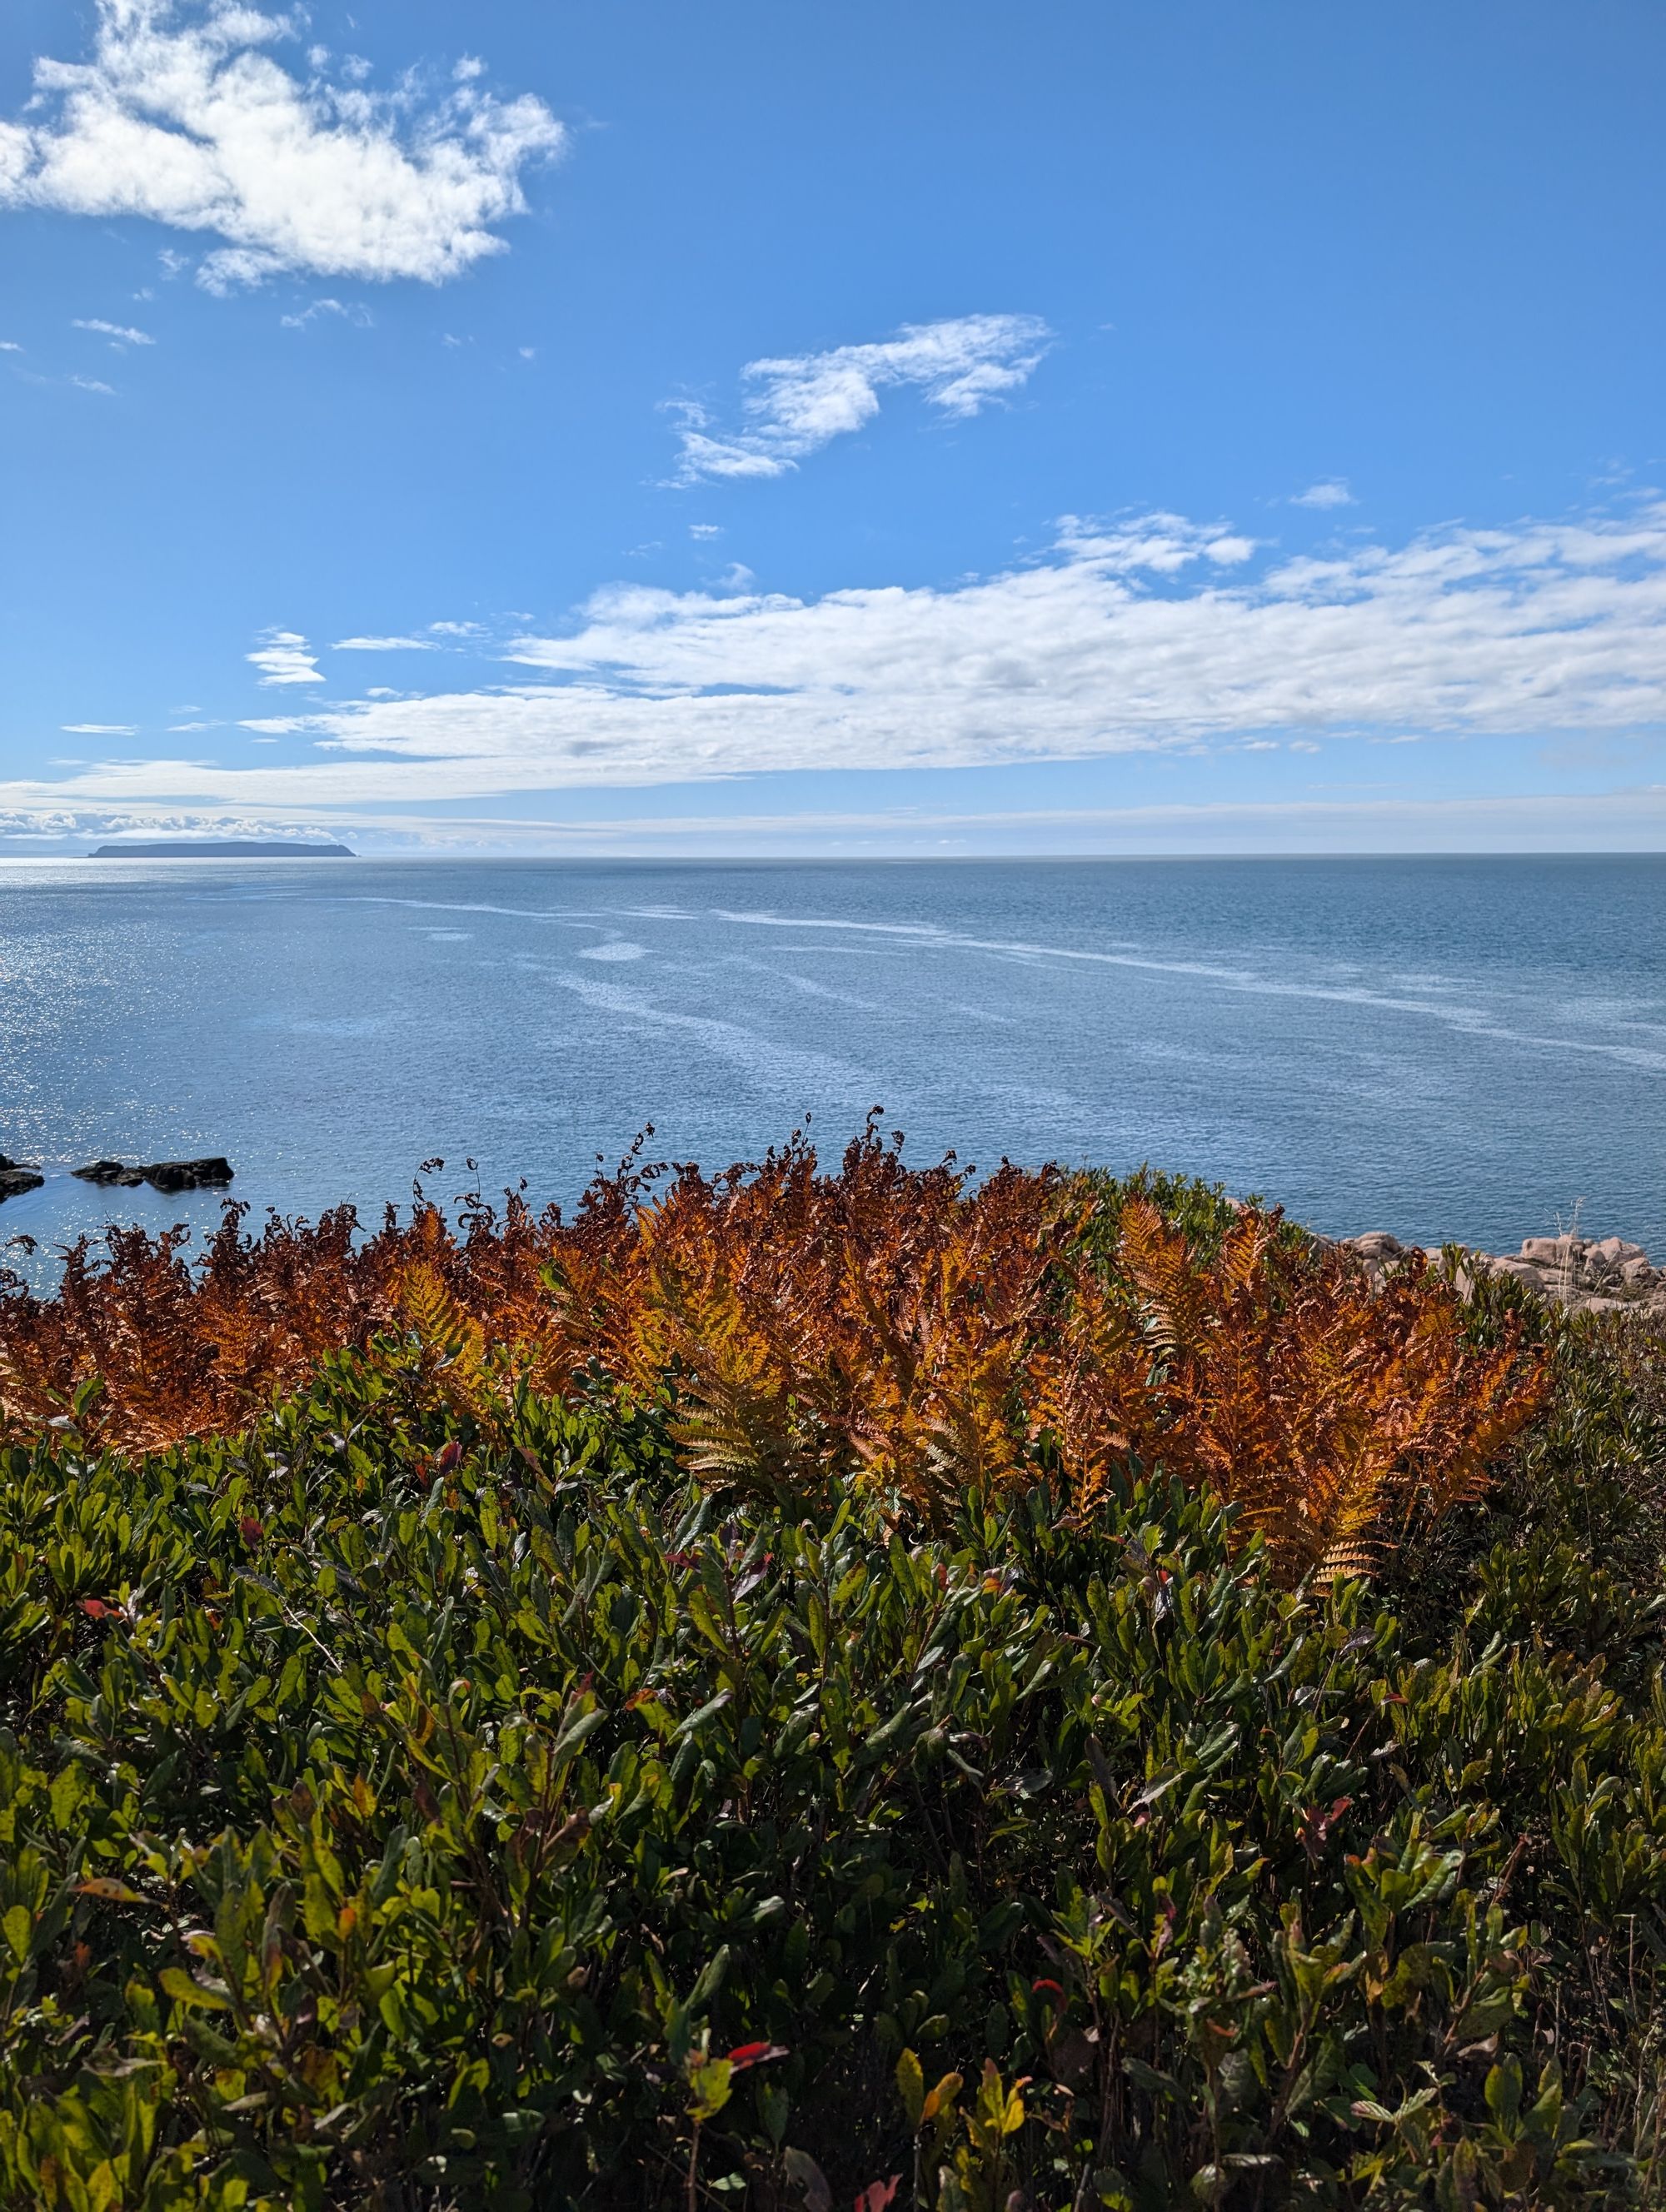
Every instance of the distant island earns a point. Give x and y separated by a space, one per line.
228 848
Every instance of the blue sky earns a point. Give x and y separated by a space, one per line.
754 428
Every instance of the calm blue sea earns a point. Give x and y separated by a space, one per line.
1443 1047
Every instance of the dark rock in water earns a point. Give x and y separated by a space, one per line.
167 1176
15 1178
188 1175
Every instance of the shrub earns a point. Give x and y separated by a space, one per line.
395 1812
797 1689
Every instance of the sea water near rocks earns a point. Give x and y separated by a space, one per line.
1456 1047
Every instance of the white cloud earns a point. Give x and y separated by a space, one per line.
183 115
100 729
360 317
94 383
1149 634
384 645
117 333
9 345
705 529
283 657
458 629
1332 492
798 403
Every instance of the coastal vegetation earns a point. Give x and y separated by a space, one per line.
804 1688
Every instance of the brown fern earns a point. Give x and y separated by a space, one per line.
876 1323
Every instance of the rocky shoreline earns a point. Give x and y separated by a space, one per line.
1601 1275
15 1178
168 1176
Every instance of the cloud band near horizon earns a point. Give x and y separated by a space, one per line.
1147 635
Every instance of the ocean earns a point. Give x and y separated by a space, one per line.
1445 1047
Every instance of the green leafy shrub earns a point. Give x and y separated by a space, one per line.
406 1810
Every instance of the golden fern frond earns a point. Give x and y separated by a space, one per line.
449 1334
1158 1263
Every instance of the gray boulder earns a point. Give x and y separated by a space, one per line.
1605 1276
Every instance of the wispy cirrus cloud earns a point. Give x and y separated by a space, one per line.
183 114
1152 633
283 657
384 645
100 729
120 334
797 403
345 310
1631 820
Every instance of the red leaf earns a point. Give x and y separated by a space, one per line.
96 1609
755 2054
250 1529
878 2195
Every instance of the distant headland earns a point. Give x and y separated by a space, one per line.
225 849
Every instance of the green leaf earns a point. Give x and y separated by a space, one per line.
181 1986
18 1927
911 2088
709 2082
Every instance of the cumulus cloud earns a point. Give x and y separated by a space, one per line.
1333 491
118 334
795 404
185 115
283 657
1151 634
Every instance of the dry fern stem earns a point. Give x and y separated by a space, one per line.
880 1324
